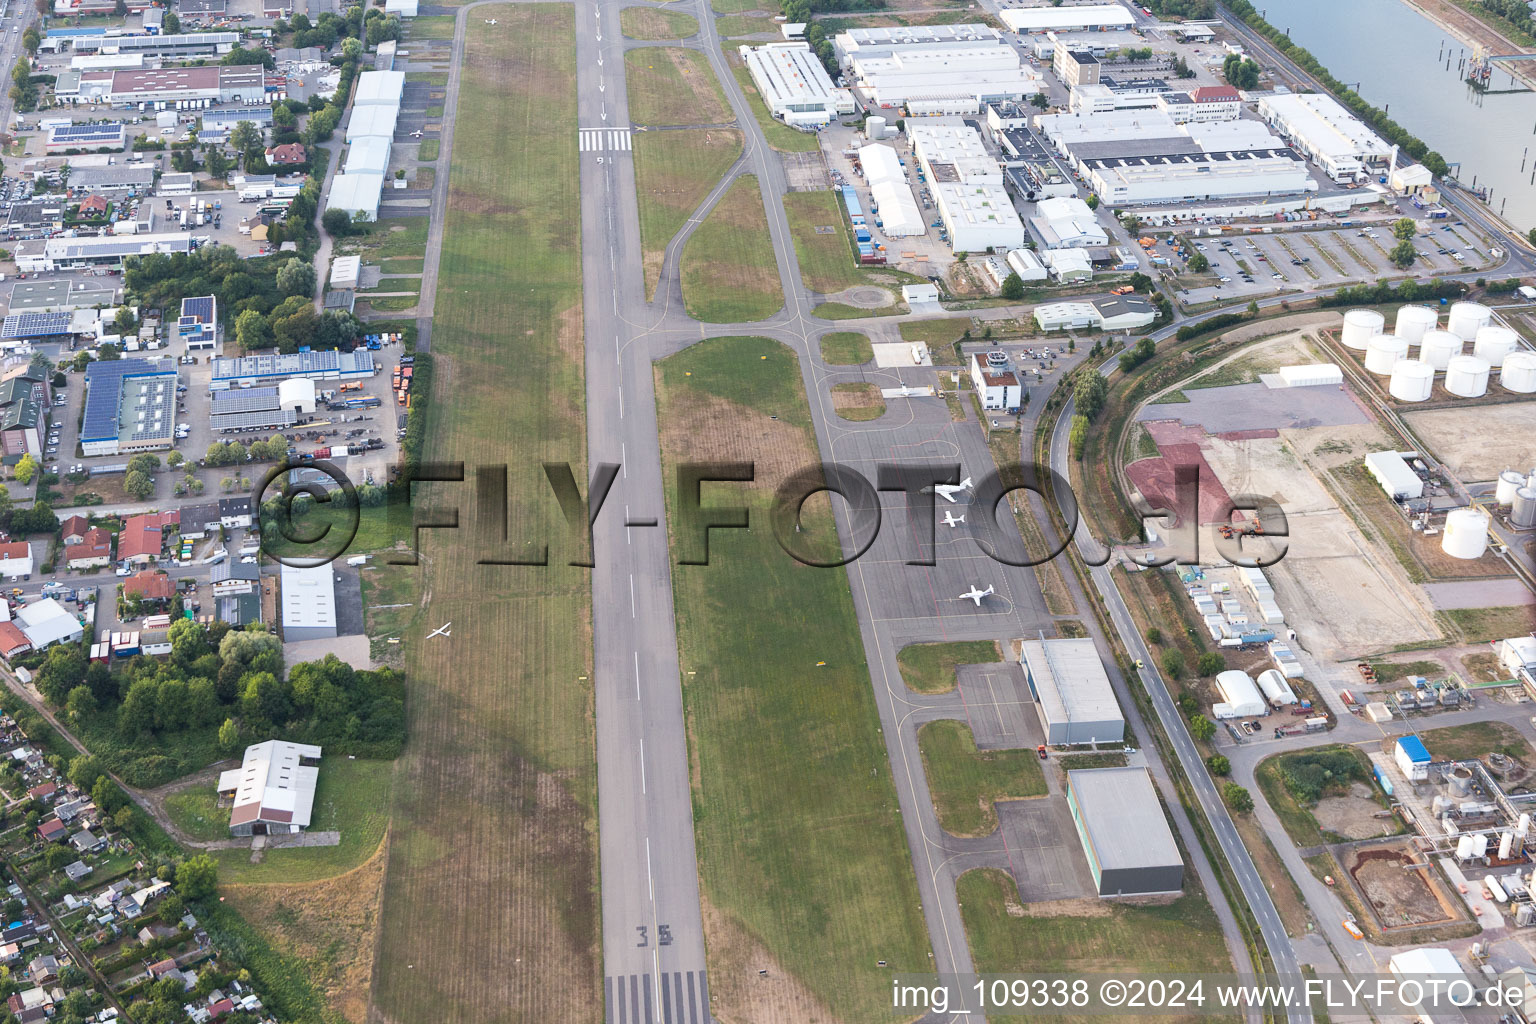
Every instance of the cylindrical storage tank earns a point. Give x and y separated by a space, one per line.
1438 347
1383 352
1360 326
1479 844
1522 511
1460 780
1509 482
1506 845
1467 377
1412 381
874 128
1519 373
1414 321
1464 848
1467 318
1466 533
1494 343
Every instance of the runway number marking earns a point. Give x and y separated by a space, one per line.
644 938
604 140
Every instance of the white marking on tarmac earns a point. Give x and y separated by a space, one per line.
642 764
632 595
637 675
648 879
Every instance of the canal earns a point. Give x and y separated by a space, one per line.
1399 58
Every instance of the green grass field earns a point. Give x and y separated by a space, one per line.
780 135
936 333
799 838
827 257
437 26
428 149
352 797
650 23
404 236
198 814
1299 822
846 348
728 269
843 311
1179 936
402 266
670 85
964 781
674 171
735 6
930 668
492 859
1475 739
733 25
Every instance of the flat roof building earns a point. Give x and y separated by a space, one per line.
269 369
356 194
130 405
102 250
369 155
1066 222
967 185
794 85
136 177
1072 692
379 87
373 119
957 79
1194 176
64 138
273 789
1320 126
1125 835
884 41
309 603
1088 17
1396 477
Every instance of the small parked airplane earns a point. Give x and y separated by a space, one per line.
490 21
976 594
444 631
951 520
416 134
948 491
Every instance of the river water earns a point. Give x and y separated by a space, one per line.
1399 57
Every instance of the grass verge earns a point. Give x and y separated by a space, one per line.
650 23
674 171
964 781
930 668
782 747
846 348
728 269
669 85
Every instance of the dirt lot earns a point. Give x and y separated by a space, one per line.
1352 815
1476 444
1401 898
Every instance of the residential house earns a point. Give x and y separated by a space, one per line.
197 521
287 154
235 513
162 968
52 831
86 841
13 642
29 999
92 550
143 537
69 810
229 579
43 792
78 871
72 530
44 969
15 559
150 585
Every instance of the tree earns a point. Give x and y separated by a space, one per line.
26 468
81 702
1131 222
1089 391
1218 764
31 39
336 223
244 137
229 736
1530 236
252 331
57 857
1202 728
218 164
108 795
1403 229
351 48
1198 263
1173 663
1210 663
85 770
1403 254
1253 307
171 26
1154 635
1013 287
138 485
197 877
1237 798
1093 202
175 459
296 277
172 908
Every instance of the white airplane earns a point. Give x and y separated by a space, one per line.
948 491
441 631
976 594
490 21
416 134
951 520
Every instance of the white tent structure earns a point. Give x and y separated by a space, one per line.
897 209
358 194
368 155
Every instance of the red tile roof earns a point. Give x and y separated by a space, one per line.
97 543
145 535
16 549
1215 94
53 829
74 526
289 153
46 789
150 584
93 204
12 640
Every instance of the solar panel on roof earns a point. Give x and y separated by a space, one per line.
34 325
244 400
200 307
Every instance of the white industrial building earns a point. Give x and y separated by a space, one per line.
1069 266
309 602
273 790
1395 476
1276 690
794 85
995 382
1240 698
1027 265
1116 313
1090 136
345 271
1321 127
357 194
957 79
402 8
967 186
1194 176
1306 375
867 42
1088 17
379 88
374 119
1072 692
1066 222
888 188
47 622
368 155
1412 179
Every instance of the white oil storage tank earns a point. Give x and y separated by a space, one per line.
1494 343
1467 377
1466 533
1414 321
1510 481
1522 511
1383 352
1360 326
1437 347
1464 848
874 128
1412 381
1467 318
1519 373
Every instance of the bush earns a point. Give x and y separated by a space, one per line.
1210 663
1309 776
1154 635
1237 798
1173 663
1218 765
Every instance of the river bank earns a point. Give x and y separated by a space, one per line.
1473 32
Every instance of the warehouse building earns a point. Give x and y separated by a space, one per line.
113 136
368 156
1066 222
794 85
954 80
1395 476
967 186
1240 697
91 39
134 177
130 406
39 254
1122 133
1320 126
1072 693
1027 265
357 194
1119 181
309 603
58 296
1086 18
1116 313
237 410
888 188
269 369
345 271
224 119
882 42
1125 835
246 83
375 119
379 88
273 790
1068 266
